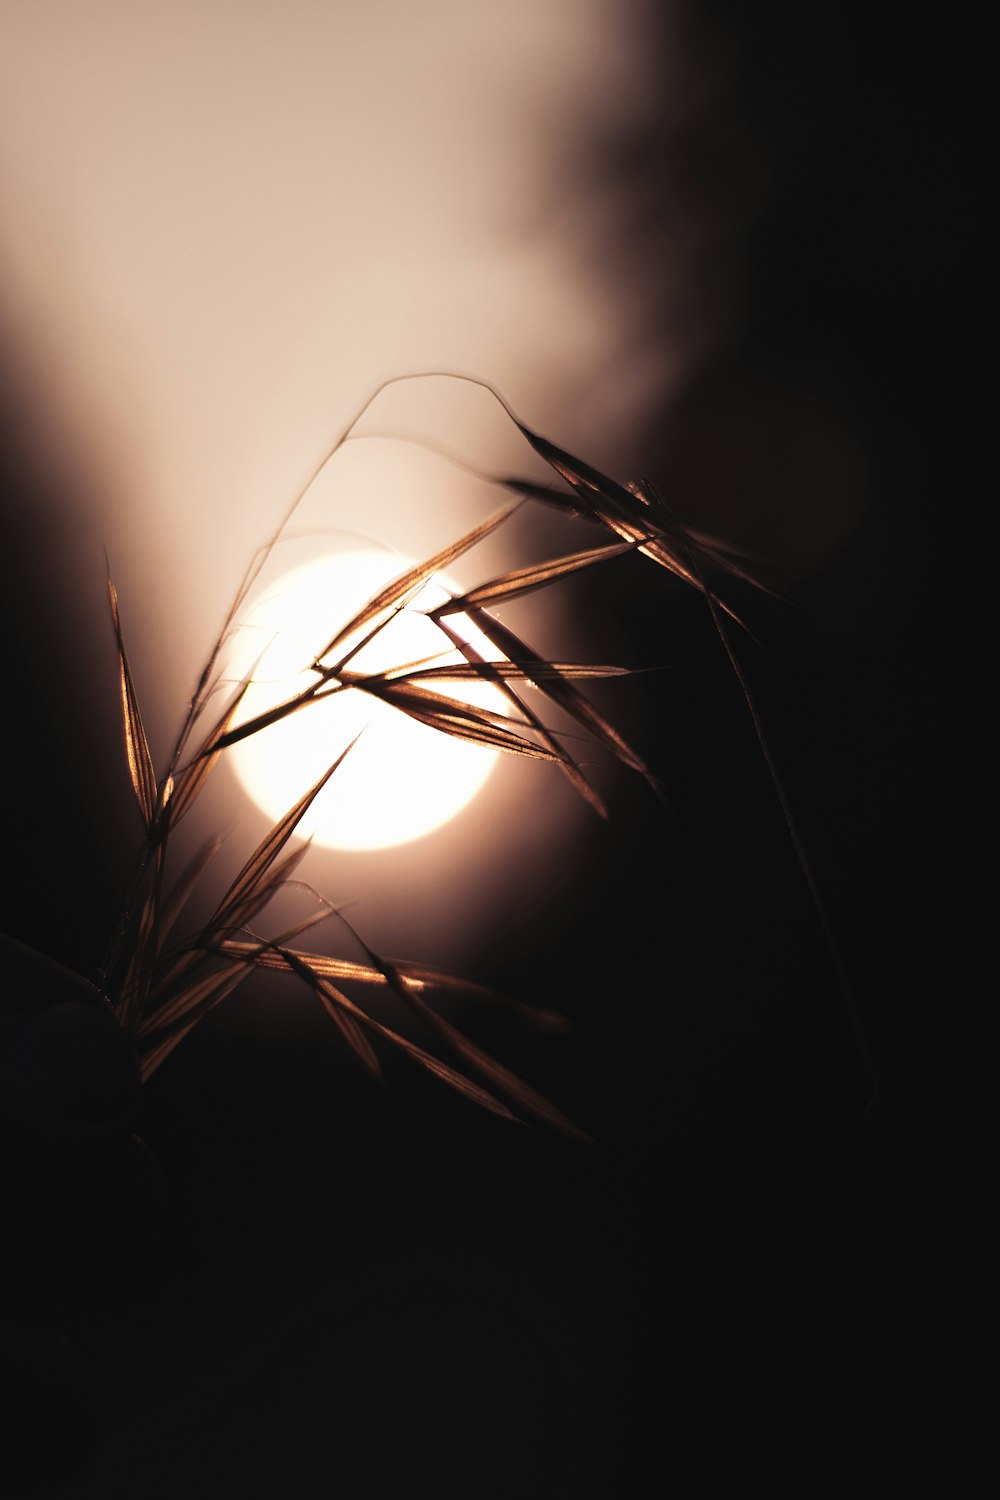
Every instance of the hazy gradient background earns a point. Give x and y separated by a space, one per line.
222 225
727 247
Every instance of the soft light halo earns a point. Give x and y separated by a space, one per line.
402 780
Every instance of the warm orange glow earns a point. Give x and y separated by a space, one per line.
402 779
216 238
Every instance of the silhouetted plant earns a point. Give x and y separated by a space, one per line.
160 985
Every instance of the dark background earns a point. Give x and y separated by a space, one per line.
323 1284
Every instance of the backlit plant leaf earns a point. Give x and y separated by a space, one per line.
465 721
189 782
446 1074
562 692
497 1075
426 981
491 670
202 998
271 956
192 999
140 763
185 884
267 851
482 669
523 581
410 582
242 912
617 507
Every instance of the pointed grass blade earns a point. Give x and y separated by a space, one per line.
562 692
544 494
189 782
425 981
618 507
422 979
351 1032
174 967
501 672
480 726
521 581
244 910
332 672
145 945
158 1054
262 721
605 500
528 1099
140 762
413 579
325 966
267 851
566 762
612 503
263 955
582 477
499 1077
334 997
186 883
200 1000
171 1002
193 999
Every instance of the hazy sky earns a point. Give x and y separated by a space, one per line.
222 223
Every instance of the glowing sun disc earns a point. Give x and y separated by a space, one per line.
402 779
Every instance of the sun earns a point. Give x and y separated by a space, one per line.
402 780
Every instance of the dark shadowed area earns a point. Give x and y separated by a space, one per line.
269 1276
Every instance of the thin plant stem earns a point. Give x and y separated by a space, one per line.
819 906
